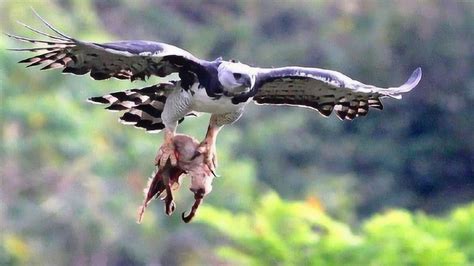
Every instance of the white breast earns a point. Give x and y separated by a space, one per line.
203 103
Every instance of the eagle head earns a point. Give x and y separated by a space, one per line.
235 77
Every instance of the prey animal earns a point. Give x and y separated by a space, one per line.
167 179
219 87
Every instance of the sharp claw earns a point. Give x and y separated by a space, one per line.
187 218
213 173
197 201
169 203
170 207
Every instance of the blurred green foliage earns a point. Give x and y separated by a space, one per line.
72 177
278 232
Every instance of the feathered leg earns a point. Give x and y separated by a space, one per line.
208 145
177 105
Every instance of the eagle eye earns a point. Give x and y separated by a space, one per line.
237 75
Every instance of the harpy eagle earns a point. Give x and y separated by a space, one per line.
221 88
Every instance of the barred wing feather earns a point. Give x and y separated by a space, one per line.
324 90
133 59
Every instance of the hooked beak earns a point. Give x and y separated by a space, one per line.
247 82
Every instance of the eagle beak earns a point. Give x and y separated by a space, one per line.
247 82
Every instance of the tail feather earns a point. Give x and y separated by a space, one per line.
145 116
142 107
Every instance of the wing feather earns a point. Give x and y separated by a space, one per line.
324 90
132 59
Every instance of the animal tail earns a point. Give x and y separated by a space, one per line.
142 107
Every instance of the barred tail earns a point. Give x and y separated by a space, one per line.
142 106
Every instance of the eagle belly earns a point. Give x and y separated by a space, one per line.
201 102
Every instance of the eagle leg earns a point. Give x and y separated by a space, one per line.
208 147
167 150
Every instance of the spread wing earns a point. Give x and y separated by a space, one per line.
324 90
122 59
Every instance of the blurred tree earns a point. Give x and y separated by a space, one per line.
300 233
71 176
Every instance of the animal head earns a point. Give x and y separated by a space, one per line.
235 77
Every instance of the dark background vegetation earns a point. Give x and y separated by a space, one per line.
71 176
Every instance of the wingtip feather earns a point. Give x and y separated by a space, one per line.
49 25
42 33
415 77
413 80
410 84
7 34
